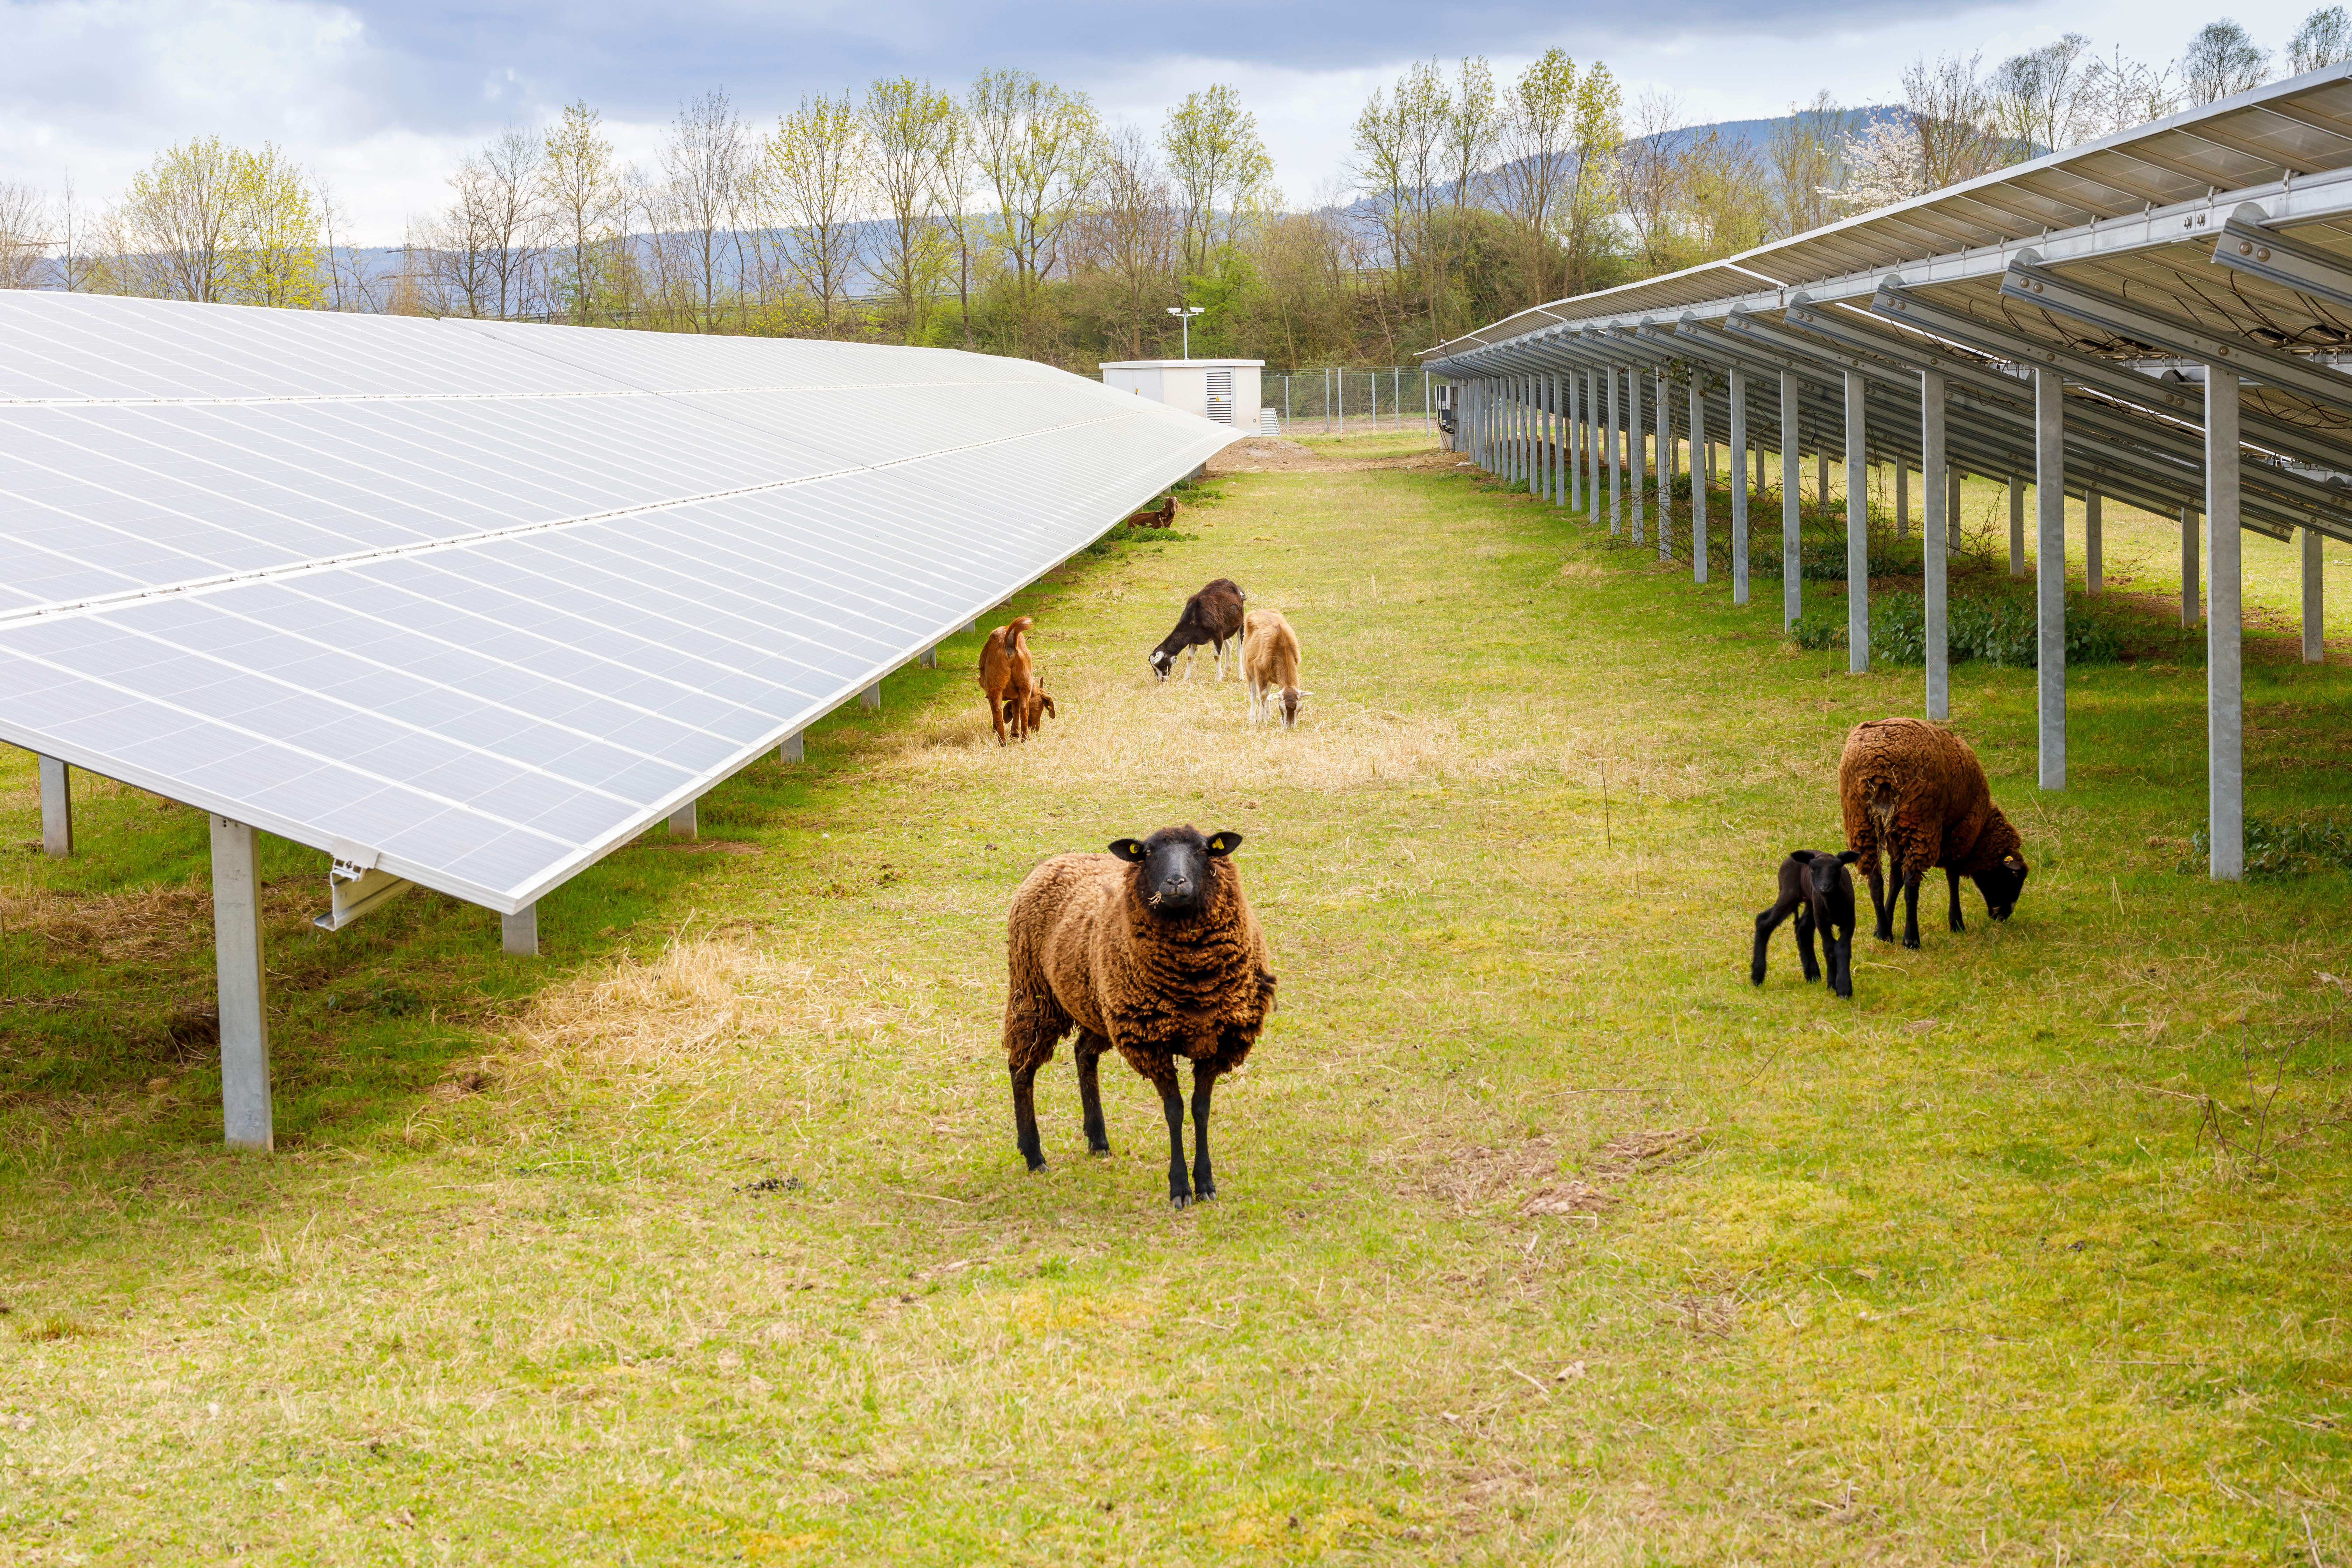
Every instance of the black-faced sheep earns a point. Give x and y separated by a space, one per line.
1818 888
1211 615
1150 950
1917 789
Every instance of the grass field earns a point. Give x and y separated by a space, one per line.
1541 1235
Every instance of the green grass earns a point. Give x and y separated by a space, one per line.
1542 1236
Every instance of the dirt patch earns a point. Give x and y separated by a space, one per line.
1272 454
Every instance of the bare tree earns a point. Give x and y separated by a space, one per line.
1648 174
26 235
2123 92
513 217
1537 161
697 215
1951 112
451 252
2041 96
814 175
953 173
1399 158
76 266
2222 59
907 125
1582 219
1803 154
2323 39
1132 237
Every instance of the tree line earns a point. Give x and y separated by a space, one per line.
1010 218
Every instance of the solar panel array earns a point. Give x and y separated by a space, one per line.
487 599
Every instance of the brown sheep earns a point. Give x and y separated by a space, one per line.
1150 950
1008 679
1917 788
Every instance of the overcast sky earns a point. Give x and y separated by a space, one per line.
380 97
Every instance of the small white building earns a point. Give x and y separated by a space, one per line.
1224 391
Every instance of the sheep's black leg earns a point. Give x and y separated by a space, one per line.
1171 1102
1841 957
1805 941
1766 924
1090 1049
1911 907
1024 1115
1204 1183
1953 877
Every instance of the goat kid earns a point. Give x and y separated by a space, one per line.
1818 888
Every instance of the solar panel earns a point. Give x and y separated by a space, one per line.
489 599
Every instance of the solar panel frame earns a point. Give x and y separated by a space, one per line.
490 600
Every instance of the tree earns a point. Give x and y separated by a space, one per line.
952 173
26 236
1131 239
1725 197
2222 59
1584 212
1886 162
907 124
2041 96
1648 177
581 193
815 176
1952 115
1036 144
273 254
2323 39
1400 141
513 217
2124 93
1214 156
176 222
1803 153
1536 149
696 214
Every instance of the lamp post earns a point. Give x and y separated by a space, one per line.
1185 314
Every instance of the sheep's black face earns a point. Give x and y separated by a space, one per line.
1175 866
1160 660
1822 869
2002 885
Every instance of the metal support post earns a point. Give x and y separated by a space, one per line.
56 808
1638 440
1821 479
871 697
2225 752
2050 571
1934 540
794 748
1616 465
2188 596
1792 583
2016 527
1698 483
2314 632
1592 433
1738 487
1951 508
245 1117
682 822
2093 545
1902 499
1857 529
518 932
930 660
1668 466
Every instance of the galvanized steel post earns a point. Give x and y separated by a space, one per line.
1738 487
1857 529
246 1116
56 808
1669 464
2050 572
2016 527
1616 470
518 932
1698 483
2093 544
1638 458
2225 752
2189 595
2314 632
1792 517
1934 540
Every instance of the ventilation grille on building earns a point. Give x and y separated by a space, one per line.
1220 396
1269 423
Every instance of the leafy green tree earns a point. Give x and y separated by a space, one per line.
581 189
816 176
1038 146
907 125
1220 168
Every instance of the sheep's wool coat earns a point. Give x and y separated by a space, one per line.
1085 952
1928 789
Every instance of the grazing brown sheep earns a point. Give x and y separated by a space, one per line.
1150 950
1008 679
1916 788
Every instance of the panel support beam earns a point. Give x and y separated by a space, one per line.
794 749
246 1116
1738 486
2189 596
2016 527
2315 631
2049 573
1700 478
682 822
1792 582
2225 752
2093 544
871 697
56 808
518 932
930 660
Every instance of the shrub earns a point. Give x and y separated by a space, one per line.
2276 849
1999 631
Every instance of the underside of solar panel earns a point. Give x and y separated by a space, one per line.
484 600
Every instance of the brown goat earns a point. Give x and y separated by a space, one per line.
1270 668
1160 516
1916 788
1008 679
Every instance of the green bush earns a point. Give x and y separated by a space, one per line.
2279 848
1999 631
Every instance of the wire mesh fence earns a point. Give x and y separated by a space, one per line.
1350 400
